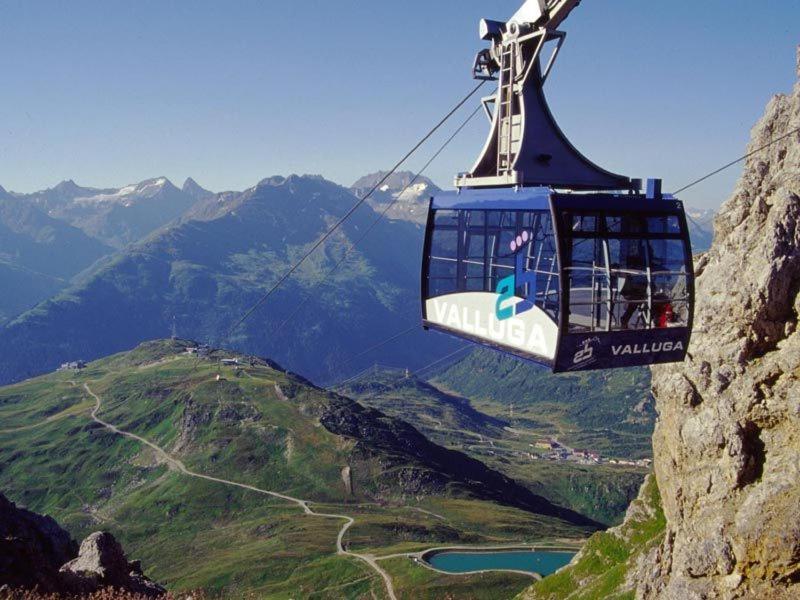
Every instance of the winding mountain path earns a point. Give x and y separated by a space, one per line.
177 465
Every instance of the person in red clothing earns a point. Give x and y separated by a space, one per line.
664 314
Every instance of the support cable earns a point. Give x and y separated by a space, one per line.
735 162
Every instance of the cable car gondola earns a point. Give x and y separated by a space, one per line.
542 254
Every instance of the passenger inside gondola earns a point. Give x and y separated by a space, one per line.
626 273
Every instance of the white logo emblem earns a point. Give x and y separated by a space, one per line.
586 352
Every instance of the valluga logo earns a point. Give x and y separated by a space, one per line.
585 353
508 303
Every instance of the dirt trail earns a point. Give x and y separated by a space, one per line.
177 465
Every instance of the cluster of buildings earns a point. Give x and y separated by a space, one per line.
203 350
556 451
75 365
644 462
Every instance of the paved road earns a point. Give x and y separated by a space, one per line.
177 465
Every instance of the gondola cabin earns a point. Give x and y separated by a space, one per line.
571 281
541 253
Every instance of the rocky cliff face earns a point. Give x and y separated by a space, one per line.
727 442
32 548
36 553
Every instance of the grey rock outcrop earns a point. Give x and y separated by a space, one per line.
101 563
32 548
727 442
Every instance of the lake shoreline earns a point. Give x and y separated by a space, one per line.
427 558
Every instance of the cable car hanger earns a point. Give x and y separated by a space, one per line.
541 253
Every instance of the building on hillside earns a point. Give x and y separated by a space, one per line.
76 365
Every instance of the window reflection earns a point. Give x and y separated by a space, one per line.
473 250
629 273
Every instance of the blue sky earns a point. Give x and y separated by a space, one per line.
112 92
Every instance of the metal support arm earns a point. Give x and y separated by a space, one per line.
525 146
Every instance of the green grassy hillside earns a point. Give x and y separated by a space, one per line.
256 426
601 568
610 412
503 440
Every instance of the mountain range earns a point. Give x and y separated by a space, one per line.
95 271
203 271
117 217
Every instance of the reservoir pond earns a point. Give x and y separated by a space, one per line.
543 563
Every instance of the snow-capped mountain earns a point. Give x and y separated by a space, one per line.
126 195
701 227
116 217
411 200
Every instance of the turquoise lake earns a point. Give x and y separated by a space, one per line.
543 563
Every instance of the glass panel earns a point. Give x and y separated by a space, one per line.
445 243
439 287
665 224
621 277
446 218
488 255
474 277
670 301
475 249
494 218
627 255
668 255
443 267
626 224
476 218
584 223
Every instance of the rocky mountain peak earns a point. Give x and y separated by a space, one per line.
195 190
728 438
67 186
272 181
407 193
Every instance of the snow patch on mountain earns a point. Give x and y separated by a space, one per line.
145 189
